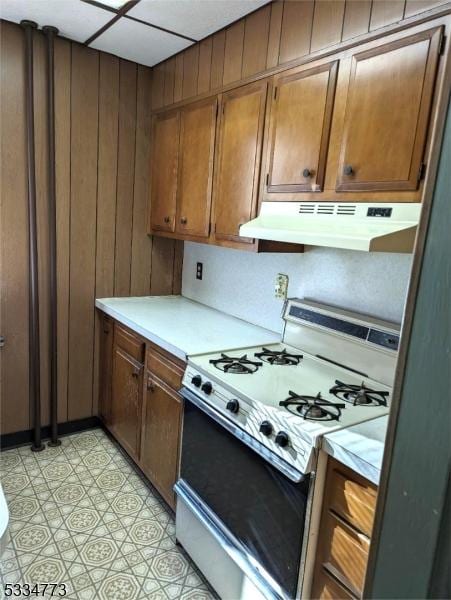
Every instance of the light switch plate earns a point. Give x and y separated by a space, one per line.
281 286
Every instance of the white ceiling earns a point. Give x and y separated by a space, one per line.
75 19
138 42
128 37
194 18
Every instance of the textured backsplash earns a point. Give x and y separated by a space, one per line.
242 283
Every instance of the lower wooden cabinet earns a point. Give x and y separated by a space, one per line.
126 399
106 367
345 534
139 402
162 414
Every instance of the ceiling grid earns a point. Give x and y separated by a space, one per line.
144 31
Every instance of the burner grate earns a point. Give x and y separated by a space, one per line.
279 357
358 395
240 365
312 408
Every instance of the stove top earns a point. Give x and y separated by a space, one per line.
280 357
288 396
238 365
313 408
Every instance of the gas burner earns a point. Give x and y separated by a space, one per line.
279 357
312 408
358 395
237 365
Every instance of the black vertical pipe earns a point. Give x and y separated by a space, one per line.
50 33
34 350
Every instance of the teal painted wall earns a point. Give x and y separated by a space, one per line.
418 478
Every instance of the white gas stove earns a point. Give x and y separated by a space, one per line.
332 370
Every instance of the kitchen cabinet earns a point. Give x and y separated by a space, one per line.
161 436
106 367
237 174
139 402
345 534
195 170
387 111
161 422
299 129
164 168
126 390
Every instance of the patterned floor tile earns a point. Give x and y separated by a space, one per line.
81 515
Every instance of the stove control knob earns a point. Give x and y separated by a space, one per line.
266 428
196 380
207 388
282 439
233 406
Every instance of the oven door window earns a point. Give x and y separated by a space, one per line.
258 504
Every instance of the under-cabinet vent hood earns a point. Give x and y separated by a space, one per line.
370 227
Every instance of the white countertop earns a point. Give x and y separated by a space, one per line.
184 327
360 447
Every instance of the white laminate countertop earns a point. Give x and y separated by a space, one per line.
184 327
360 447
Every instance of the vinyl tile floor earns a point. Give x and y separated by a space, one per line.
81 515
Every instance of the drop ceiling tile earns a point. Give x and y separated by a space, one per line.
139 43
75 19
194 18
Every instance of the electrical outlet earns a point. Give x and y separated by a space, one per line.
199 270
281 286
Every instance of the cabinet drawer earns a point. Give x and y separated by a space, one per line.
328 588
129 342
165 368
345 553
353 500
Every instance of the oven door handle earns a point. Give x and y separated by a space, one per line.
278 463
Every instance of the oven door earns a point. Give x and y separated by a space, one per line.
256 500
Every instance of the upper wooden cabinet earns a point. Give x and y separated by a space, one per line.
164 166
195 171
300 120
387 114
241 120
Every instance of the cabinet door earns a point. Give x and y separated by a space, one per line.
126 400
301 115
164 161
238 160
105 367
197 139
160 436
387 113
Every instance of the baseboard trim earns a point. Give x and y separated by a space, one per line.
21 438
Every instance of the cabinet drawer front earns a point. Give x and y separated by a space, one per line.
346 553
354 501
129 342
328 588
161 366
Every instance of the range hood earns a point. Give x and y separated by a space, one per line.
370 227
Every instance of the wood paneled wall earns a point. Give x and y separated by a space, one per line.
276 34
102 147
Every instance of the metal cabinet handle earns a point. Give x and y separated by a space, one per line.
167 219
348 170
183 220
2 341
150 385
307 173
